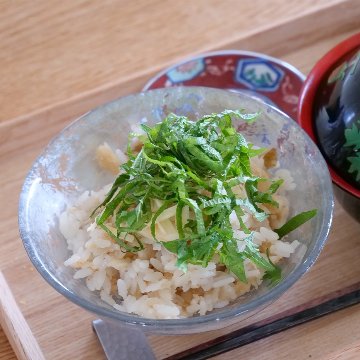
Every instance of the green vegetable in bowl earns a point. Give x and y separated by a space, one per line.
195 164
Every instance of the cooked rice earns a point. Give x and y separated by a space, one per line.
148 283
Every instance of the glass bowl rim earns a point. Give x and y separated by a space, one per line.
173 324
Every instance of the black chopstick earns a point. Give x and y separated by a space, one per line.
253 333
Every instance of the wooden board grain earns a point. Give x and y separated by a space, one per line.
53 52
16 327
56 86
350 353
6 351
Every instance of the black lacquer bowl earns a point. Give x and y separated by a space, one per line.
329 110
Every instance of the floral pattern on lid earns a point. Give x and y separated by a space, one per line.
259 75
271 80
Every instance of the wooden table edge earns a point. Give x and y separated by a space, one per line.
15 326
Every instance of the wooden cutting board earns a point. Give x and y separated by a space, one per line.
36 319
60 337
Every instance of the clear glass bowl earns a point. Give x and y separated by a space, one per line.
67 167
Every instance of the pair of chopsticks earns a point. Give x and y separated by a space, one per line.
343 299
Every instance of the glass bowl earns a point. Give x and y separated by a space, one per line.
67 168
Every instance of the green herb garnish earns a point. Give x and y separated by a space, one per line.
295 222
194 165
273 275
352 136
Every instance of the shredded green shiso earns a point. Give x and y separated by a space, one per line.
194 164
